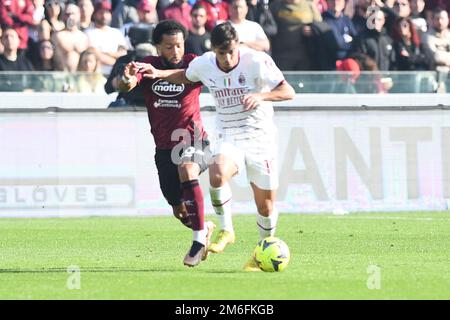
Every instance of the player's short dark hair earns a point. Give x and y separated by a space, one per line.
167 27
222 35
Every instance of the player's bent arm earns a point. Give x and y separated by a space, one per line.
179 77
176 76
283 91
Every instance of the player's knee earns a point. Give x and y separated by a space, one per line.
188 171
266 209
216 179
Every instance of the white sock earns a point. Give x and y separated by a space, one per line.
200 235
221 201
267 225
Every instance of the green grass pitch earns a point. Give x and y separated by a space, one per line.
141 258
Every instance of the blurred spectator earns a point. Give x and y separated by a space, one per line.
39 12
43 33
359 19
249 32
17 14
393 10
86 11
140 37
349 65
45 59
431 5
199 40
1 45
38 17
109 42
291 46
368 78
437 40
343 29
91 80
12 59
44 30
258 11
179 11
352 72
54 10
377 44
70 42
145 13
417 15
162 4
125 11
321 5
148 14
216 12
408 49
349 10
402 8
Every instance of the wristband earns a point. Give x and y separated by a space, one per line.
125 80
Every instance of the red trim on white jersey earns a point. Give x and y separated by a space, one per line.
281 83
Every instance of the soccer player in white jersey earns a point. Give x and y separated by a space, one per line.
243 83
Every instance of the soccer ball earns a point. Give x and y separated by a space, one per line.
272 254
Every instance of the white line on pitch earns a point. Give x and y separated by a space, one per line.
389 218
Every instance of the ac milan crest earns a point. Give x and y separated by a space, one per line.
241 79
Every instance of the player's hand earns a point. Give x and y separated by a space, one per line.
147 70
130 70
128 80
251 101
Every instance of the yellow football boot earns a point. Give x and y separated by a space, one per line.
251 265
222 240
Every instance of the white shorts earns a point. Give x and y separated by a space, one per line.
258 160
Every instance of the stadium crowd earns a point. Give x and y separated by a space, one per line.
303 35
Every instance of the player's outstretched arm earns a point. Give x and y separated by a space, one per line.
284 91
176 76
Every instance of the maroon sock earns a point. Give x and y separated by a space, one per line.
193 200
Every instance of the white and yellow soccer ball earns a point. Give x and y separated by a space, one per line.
272 254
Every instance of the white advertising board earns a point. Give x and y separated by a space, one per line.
101 163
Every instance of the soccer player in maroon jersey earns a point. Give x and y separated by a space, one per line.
174 115
244 83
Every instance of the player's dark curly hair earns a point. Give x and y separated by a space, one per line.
168 27
222 35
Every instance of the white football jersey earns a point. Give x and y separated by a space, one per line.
255 73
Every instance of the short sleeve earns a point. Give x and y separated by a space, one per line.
193 71
270 73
